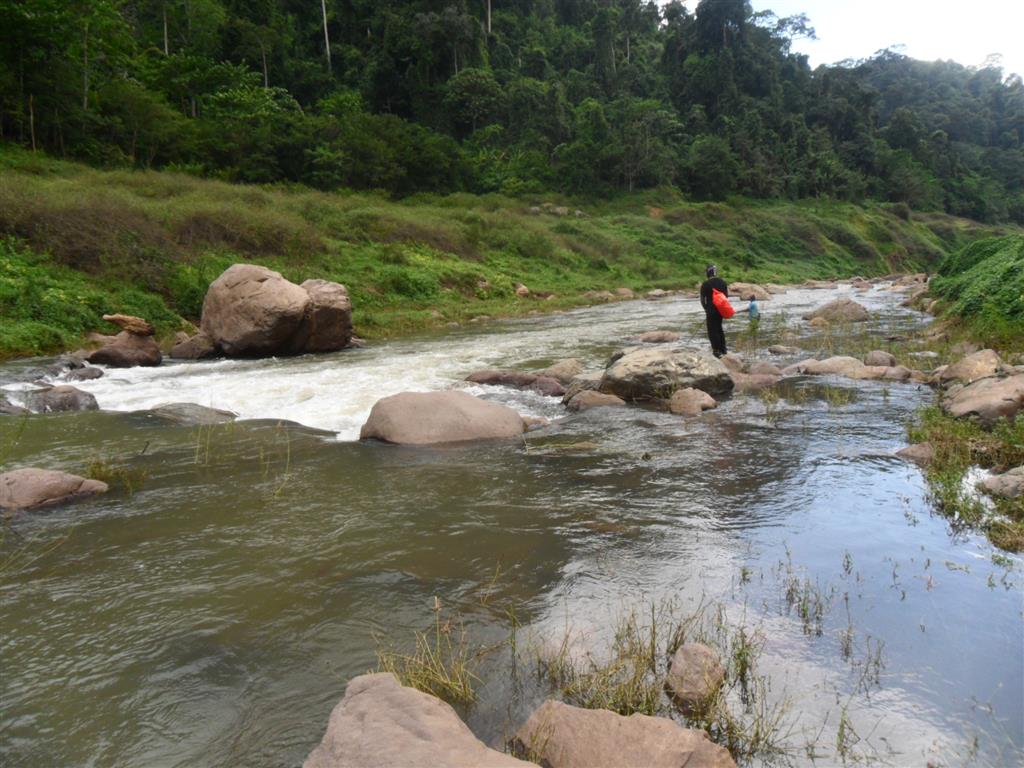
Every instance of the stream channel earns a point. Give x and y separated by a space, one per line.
213 616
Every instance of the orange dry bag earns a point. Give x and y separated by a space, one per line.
722 303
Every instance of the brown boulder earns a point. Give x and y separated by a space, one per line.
987 400
691 402
547 386
919 453
424 418
58 399
879 357
198 347
743 291
253 311
971 368
131 324
589 398
127 350
840 310
327 324
495 378
583 383
561 736
762 367
28 488
839 365
382 724
695 674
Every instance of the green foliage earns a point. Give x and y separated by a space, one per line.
586 98
983 283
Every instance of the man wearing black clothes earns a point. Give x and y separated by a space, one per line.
715 333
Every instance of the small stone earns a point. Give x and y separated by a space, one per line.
695 674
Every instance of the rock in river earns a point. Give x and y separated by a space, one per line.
695 674
656 373
971 368
28 488
840 311
588 398
383 724
562 736
127 350
62 398
691 402
424 418
987 400
1008 485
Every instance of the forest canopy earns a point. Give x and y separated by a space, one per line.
582 97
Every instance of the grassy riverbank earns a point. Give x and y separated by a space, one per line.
79 242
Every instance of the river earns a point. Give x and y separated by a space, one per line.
213 615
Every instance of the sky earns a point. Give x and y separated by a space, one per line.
966 31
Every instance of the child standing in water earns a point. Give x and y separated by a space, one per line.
754 313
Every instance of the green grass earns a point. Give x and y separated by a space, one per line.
960 444
81 242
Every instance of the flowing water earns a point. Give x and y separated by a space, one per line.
213 616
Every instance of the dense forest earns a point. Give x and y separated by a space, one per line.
583 97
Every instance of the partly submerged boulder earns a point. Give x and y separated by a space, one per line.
919 453
382 724
840 311
656 373
198 347
60 398
28 488
753 382
588 398
581 383
543 385
880 357
424 418
562 736
564 370
252 311
691 402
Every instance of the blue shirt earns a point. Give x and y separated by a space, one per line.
755 313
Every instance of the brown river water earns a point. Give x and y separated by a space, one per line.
213 616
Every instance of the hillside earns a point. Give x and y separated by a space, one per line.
80 242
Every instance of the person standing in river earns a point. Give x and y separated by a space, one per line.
716 335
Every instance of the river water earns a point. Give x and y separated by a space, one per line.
212 616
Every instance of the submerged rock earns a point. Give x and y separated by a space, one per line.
59 399
9 409
87 373
840 311
191 414
562 736
382 724
28 488
694 675
589 398
425 418
656 373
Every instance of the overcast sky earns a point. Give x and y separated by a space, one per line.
966 32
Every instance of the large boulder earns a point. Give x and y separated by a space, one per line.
424 418
987 400
695 674
28 488
558 735
252 311
1008 485
656 373
743 291
840 311
382 724
198 347
327 325
60 398
127 350
691 402
975 366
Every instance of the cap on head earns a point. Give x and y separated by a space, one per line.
712 270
